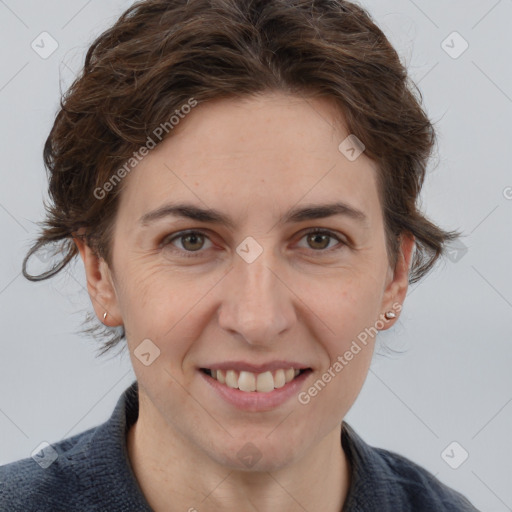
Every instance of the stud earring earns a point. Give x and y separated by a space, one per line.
104 316
390 314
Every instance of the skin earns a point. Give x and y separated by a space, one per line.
252 159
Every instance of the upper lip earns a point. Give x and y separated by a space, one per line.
256 368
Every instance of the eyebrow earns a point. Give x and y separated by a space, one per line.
297 214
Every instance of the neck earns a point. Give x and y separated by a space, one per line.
175 477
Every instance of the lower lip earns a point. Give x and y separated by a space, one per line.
257 401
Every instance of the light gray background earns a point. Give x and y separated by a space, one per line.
454 381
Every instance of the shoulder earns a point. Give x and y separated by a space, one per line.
52 476
419 488
89 472
387 481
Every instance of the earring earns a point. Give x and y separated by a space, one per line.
104 316
390 314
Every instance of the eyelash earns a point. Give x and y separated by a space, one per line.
167 241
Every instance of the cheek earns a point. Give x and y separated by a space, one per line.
345 327
163 305
344 304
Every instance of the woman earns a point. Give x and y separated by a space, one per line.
240 179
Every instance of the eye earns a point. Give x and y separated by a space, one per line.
318 239
190 241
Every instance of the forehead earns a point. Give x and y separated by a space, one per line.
270 151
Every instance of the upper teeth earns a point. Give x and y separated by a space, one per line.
248 381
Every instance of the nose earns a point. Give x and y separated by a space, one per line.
256 304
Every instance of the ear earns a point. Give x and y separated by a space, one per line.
398 282
100 285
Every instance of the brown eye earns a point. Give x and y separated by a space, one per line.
186 242
192 241
320 240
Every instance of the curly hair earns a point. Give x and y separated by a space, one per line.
161 53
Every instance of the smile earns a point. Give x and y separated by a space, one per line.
249 382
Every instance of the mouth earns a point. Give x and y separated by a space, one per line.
248 382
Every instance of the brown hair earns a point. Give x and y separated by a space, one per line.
162 53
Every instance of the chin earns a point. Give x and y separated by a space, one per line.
255 456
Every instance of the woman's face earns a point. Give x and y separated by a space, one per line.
244 285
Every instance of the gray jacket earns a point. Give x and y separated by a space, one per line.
91 472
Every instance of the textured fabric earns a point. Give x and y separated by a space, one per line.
384 481
92 473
